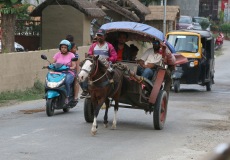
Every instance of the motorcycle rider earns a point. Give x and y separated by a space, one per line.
220 38
64 56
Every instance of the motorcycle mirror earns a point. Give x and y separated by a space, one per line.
74 59
43 57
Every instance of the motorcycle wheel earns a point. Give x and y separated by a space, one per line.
50 107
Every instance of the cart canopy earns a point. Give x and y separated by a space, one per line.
140 31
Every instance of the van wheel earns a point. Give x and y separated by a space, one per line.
209 86
176 86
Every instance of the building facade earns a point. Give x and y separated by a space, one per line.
187 7
209 8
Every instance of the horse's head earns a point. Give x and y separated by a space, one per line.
89 67
92 67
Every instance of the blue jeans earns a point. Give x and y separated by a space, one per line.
145 72
68 81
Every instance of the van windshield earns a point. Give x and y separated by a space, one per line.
184 43
185 20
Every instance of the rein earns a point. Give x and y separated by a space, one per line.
99 78
95 72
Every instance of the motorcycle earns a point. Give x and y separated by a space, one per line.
55 90
219 41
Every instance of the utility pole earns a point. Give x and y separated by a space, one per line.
228 11
164 22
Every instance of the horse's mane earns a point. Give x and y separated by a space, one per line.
102 65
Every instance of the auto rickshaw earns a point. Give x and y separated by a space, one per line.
198 47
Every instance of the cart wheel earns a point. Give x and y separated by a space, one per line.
88 110
209 86
176 86
160 110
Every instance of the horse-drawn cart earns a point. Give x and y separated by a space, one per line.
136 92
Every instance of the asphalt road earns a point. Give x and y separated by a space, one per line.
196 122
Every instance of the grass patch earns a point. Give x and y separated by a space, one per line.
36 92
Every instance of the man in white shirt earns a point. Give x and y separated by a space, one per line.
150 59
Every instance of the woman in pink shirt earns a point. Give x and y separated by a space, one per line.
64 57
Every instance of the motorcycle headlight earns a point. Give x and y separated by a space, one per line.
54 84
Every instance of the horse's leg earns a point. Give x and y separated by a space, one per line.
114 126
94 125
106 113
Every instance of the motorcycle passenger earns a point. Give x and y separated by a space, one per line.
76 84
64 56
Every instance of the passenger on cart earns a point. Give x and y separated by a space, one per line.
149 61
133 52
122 49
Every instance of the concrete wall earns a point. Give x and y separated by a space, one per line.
19 70
187 7
58 21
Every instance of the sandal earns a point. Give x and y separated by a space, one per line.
75 100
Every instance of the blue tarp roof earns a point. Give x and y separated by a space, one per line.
144 30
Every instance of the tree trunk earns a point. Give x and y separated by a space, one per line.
8 29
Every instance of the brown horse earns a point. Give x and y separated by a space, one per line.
102 85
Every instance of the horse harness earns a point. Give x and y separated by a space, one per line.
108 81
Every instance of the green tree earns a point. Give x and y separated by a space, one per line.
221 15
9 9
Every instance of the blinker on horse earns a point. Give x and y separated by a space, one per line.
102 85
